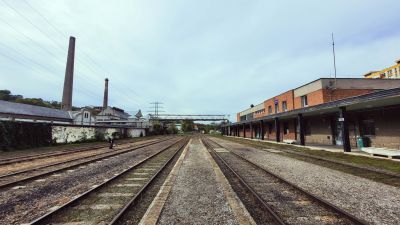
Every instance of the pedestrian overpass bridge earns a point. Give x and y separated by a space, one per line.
180 117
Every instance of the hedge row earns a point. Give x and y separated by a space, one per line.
19 135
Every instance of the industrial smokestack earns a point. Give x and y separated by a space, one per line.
66 103
105 100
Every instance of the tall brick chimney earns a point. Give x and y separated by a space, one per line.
66 103
105 100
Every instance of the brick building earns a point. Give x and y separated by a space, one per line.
325 112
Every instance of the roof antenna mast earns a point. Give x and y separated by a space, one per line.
334 58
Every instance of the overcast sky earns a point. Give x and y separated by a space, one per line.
194 56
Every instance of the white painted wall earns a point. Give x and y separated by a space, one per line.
66 134
136 132
69 134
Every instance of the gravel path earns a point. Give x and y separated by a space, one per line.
196 197
374 202
23 205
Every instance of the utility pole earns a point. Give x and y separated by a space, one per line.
156 106
334 58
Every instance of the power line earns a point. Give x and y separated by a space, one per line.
83 52
56 43
40 65
38 44
26 58
26 36
44 18
30 22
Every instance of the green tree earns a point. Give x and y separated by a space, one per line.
207 127
157 128
187 126
172 129
7 96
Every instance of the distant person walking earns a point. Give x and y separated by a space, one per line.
111 141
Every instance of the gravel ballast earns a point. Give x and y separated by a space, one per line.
196 196
25 204
374 202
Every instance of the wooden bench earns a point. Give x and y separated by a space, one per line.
390 153
289 141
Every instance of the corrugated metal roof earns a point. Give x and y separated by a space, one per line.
32 110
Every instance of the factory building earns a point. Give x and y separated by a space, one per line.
76 123
327 112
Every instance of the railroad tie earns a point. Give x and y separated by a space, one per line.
100 206
148 169
220 150
140 174
116 194
136 179
129 185
40 180
18 187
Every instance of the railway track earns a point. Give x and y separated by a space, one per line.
283 201
382 176
107 202
12 160
19 177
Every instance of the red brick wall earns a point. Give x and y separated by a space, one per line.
324 95
333 95
269 136
292 130
314 98
260 114
287 96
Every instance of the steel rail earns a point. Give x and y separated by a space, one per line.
386 173
46 216
327 204
11 160
63 151
26 179
393 175
270 211
65 162
21 159
117 217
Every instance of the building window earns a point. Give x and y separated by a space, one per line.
285 128
304 101
368 128
269 109
86 115
260 111
284 106
276 107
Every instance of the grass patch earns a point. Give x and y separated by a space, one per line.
375 163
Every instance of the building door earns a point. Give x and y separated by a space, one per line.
338 133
